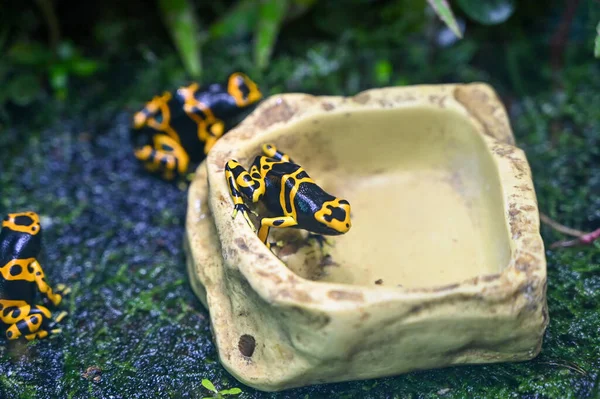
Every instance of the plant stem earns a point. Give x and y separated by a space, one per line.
559 227
47 9
559 40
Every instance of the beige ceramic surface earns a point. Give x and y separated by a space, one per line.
443 264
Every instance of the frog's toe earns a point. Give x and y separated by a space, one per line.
320 239
63 290
59 317
38 334
242 208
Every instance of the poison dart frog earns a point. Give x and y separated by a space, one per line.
177 128
21 277
288 192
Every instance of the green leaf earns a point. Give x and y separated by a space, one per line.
597 45
231 391
442 9
31 54
208 385
23 88
83 67
238 21
271 14
488 12
59 77
179 17
383 71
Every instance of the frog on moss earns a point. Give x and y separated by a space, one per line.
22 278
177 128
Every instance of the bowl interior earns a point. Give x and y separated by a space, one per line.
427 204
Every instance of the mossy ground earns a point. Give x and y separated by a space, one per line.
114 233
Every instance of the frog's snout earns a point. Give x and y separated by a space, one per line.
346 223
335 214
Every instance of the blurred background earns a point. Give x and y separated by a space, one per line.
120 53
73 72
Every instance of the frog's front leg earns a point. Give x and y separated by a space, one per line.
167 156
267 223
29 270
241 182
272 152
320 239
214 131
54 296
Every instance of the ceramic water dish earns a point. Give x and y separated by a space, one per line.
444 264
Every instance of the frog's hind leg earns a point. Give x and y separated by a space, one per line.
48 328
267 223
272 152
242 184
24 319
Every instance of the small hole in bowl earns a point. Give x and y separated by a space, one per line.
246 345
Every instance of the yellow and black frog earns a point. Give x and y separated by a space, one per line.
22 277
288 193
177 128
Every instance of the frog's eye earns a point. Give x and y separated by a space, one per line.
34 229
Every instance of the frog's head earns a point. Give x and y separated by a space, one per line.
23 222
243 89
334 217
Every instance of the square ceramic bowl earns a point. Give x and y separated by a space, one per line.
443 265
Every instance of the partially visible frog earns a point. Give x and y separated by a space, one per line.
288 192
177 128
22 277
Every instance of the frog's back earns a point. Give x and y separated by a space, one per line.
220 102
16 245
273 179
